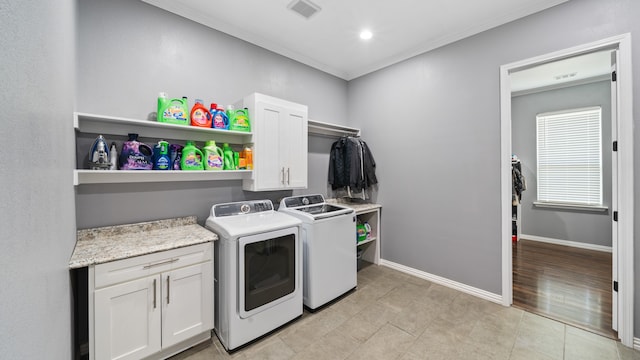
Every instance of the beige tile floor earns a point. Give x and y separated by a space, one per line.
392 315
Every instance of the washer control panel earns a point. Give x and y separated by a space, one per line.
306 200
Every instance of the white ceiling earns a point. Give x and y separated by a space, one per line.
572 70
329 40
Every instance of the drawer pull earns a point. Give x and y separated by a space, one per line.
160 263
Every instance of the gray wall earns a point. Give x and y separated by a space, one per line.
37 209
437 138
573 225
129 51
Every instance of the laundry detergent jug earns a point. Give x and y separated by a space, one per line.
135 155
200 115
220 119
174 111
191 158
239 120
213 156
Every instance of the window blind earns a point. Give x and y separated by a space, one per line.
569 156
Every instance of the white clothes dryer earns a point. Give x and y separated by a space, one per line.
329 243
258 270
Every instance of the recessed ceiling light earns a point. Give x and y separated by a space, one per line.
366 35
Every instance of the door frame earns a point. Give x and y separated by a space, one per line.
625 192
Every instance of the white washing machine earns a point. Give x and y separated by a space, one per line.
329 242
258 270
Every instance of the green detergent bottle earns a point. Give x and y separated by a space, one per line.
191 157
229 163
173 111
213 156
238 119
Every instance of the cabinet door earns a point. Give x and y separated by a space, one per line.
127 320
187 302
293 148
268 169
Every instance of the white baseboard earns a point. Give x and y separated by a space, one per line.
444 282
566 243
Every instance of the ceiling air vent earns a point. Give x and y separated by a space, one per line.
304 7
565 76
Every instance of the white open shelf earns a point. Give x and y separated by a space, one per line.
372 239
327 129
101 124
82 177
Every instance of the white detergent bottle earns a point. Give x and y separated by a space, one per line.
113 157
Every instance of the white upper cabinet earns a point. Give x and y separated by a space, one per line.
280 143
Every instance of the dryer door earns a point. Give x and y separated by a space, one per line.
268 270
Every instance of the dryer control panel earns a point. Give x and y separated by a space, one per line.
241 208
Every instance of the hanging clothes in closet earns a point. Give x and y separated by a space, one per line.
519 183
351 167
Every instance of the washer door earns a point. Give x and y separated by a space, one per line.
268 270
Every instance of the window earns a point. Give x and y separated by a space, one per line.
569 150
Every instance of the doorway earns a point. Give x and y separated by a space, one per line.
622 199
561 135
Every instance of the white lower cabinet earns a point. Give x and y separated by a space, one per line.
186 307
151 305
127 324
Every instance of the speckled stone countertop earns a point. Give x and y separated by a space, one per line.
359 207
105 244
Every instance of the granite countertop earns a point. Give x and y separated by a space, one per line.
105 244
359 207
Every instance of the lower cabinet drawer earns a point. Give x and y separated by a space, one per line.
141 266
